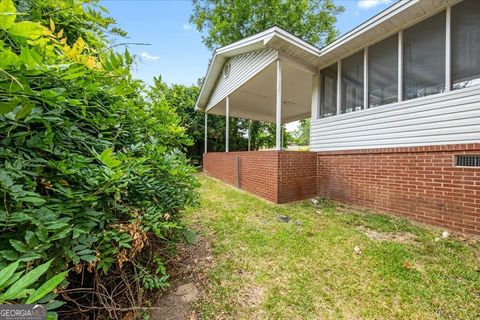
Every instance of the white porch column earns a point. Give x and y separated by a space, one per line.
227 122
278 126
448 50
249 133
205 137
315 113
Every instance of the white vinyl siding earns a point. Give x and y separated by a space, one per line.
447 118
242 68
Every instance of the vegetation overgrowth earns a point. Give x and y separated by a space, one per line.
91 164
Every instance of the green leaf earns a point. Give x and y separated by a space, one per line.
5 179
8 58
25 110
88 258
52 93
9 255
35 200
47 287
27 29
14 278
19 286
7 272
29 257
6 107
108 159
7 14
54 304
19 246
75 75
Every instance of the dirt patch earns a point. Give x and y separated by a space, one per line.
251 297
399 237
188 280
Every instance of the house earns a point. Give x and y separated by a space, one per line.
394 107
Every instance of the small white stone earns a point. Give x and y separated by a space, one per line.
445 234
437 239
357 250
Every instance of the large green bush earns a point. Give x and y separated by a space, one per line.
90 165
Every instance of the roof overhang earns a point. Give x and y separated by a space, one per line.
308 57
398 16
275 37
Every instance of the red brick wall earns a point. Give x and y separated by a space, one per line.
297 176
421 183
258 171
278 176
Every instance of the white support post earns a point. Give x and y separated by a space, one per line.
315 108
339 87
365 78
205 137
249 133
227 122
400 65
278 102
448 77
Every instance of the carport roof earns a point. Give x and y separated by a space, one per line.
309 57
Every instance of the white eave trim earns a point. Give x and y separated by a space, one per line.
369 24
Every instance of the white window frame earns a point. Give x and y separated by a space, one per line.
448 84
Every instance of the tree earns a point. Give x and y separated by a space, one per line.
227 21
301 136
182 98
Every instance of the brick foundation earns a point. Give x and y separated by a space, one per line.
421 183
278 176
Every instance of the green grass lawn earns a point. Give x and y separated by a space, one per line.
307 268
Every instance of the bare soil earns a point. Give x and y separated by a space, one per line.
188 282
400 237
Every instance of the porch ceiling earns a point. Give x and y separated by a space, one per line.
255 99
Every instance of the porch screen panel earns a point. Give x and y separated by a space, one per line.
328 91
424 58
352 83
465 44
383 72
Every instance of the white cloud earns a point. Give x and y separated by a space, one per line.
367 4
187 27
148 56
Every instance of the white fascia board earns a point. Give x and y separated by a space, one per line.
209 81
292 39
369 24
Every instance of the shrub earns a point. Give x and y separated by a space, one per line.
91 166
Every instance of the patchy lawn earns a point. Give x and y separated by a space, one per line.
329 262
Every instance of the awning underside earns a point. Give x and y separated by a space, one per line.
256 98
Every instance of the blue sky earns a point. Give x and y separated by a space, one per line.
175 48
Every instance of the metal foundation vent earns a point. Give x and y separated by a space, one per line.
467 161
